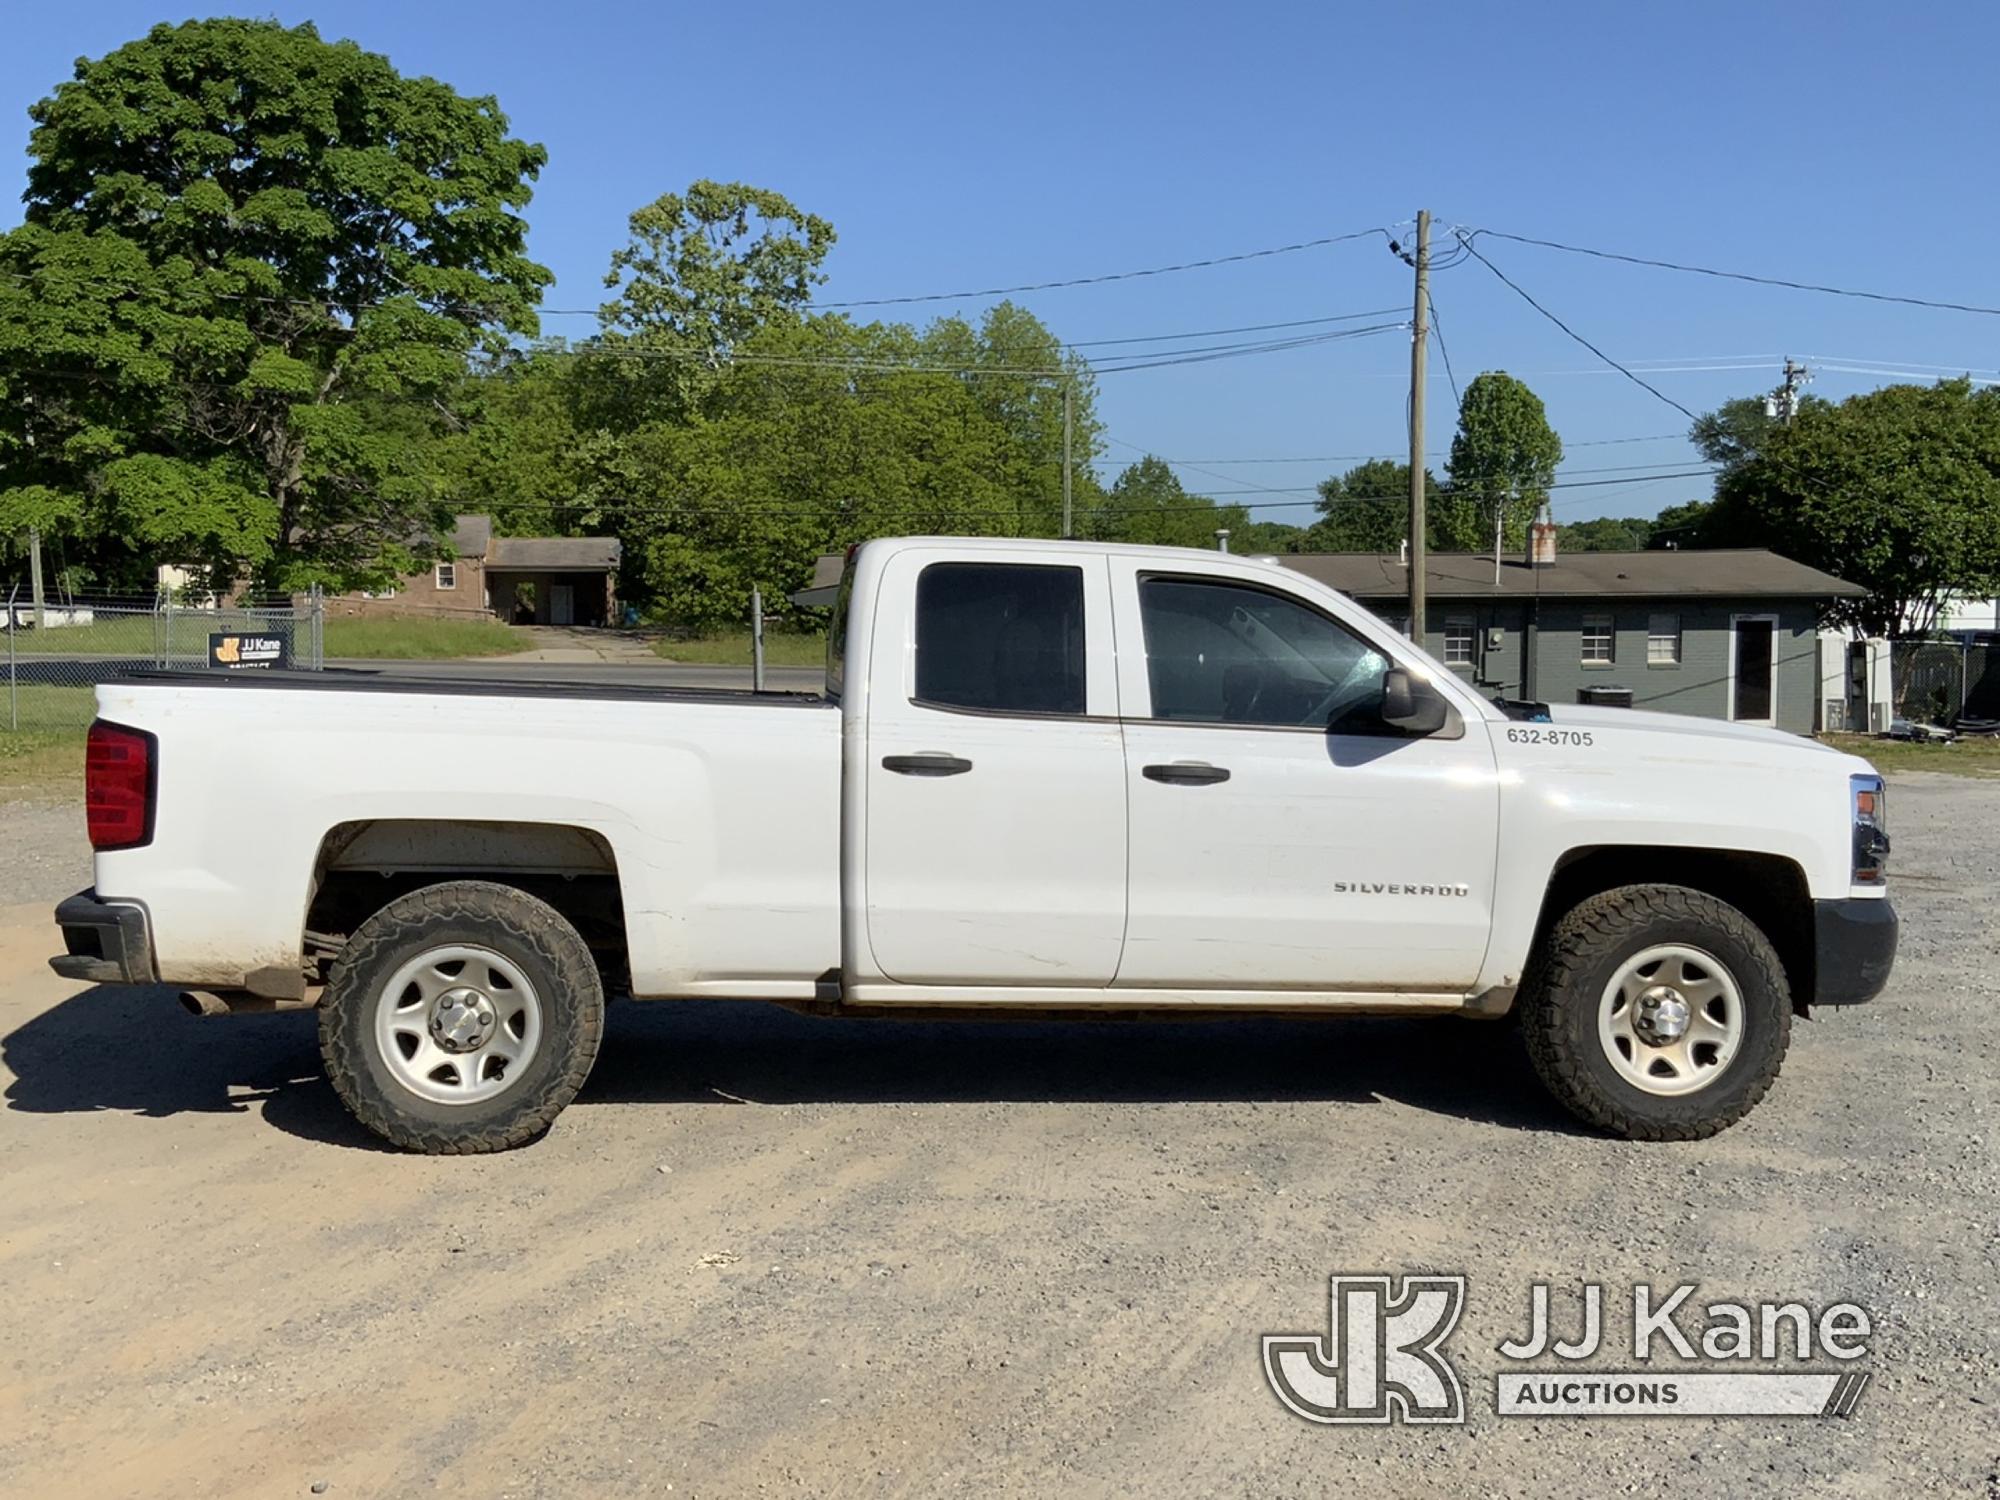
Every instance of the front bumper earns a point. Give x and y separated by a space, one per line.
1854 947
104 943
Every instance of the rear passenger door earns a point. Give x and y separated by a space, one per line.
995 777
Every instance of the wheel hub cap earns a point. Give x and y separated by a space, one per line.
462 1020
1662 1016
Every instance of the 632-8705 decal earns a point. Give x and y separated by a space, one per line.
1539 736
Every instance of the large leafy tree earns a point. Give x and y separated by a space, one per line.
1367 509
820 432
1897 489
253 266
1606 534
702 272
1503 460
1148 504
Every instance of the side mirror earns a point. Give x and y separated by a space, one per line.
1411 704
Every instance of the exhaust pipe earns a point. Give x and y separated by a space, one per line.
239 1003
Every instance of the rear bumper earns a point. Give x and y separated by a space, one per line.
1854 947
104 943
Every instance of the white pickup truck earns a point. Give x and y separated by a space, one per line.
1045 778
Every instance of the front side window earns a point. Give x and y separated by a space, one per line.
1004 637
1663 641
1597 640
447 575
1225 653
1458 643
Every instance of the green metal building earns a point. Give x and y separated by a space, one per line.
1726 634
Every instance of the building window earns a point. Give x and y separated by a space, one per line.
447 575
1663 641
1597 638
1458 642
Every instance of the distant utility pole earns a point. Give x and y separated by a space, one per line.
1783 403
1419 340
35 573
1069 429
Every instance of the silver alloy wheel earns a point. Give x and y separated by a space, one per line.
1671 1019
457 1024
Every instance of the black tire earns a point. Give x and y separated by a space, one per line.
525 932
1566 984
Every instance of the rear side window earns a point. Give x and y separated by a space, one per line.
1005 637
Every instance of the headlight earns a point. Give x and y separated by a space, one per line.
1871 829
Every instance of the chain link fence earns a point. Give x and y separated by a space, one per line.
1941 682
56 654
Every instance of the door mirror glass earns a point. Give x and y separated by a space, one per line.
1410 704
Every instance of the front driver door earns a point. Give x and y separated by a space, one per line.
1282 837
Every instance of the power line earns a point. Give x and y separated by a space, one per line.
657 508
1579 338
1437 328
1156 338
1049 286
1340 458
331 301
1467 236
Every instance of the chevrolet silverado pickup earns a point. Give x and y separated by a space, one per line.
1044 778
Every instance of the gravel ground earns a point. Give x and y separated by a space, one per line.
763 1254
43 855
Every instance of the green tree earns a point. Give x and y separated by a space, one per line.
1897 489
1680 525
1733 433
1148 504
1367 509
1503 460
1605 534
253 263
832 433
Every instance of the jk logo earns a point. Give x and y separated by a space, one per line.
1379 1359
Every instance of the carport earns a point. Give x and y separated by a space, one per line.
534 580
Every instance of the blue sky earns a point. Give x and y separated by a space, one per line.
959 146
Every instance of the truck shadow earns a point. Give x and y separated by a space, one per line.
133 1050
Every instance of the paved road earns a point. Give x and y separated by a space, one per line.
763 1254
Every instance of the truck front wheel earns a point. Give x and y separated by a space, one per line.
461 1018
1657 1012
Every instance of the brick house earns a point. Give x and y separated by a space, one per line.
519 580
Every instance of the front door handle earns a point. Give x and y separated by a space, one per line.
931 764
1187 773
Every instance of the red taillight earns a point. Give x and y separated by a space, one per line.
118 786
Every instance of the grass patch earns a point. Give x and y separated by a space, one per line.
108 635
421 640
733 650
1967 757
40 760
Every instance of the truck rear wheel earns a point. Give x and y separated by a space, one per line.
461 1018
1657 1012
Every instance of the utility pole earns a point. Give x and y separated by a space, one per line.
35 573
1783 403
1069 428
1419 339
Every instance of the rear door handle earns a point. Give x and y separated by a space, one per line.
930 764
1187 773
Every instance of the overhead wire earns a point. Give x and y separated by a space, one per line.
1467 236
